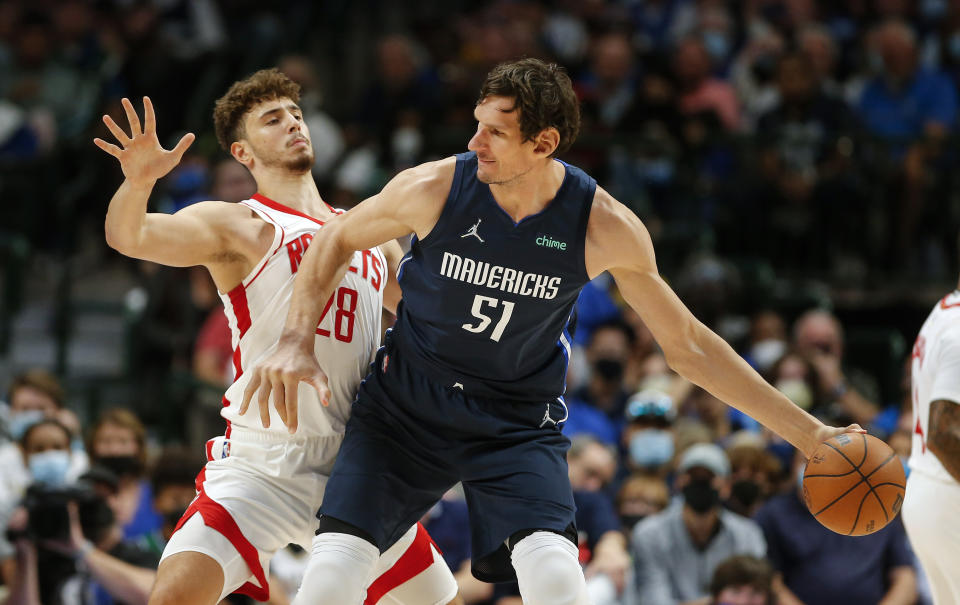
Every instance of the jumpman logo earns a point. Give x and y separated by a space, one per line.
547 419
473 231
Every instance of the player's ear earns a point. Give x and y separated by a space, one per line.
547 141
242 153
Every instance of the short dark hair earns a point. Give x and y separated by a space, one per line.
743 570
617 325
543 94
40 380
175 466
43 422
264 85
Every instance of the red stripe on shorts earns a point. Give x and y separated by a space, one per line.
414 561
216 517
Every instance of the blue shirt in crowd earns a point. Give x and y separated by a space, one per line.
822 567
928 97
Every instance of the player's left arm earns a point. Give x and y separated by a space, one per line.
392 292
619 243
943 437
903 587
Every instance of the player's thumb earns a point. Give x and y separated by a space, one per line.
182 145
318 381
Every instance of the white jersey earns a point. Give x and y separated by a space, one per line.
935 375
346 338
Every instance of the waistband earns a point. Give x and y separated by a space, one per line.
239 433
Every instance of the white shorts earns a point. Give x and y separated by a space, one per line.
930 517
260 491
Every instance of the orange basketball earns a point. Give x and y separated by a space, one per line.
854 484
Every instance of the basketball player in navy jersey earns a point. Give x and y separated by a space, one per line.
469 385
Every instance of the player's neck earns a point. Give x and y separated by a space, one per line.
531 192
296 191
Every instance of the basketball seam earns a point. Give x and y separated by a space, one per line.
863 479
841 496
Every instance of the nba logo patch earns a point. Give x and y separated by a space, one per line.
226 450
386 362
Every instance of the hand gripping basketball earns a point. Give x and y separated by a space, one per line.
280 375
854 484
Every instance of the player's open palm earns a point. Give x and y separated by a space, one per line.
279 376
141 156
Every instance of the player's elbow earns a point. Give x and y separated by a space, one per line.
118 240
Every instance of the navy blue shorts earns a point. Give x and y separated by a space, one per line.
411 439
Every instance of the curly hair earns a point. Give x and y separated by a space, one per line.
544 95
229 110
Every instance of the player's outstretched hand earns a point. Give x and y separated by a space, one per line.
141 156
826 432
280 375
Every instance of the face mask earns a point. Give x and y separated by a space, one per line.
906 467
21 421
650 448
121 466
797 391
701 496
50 467
173 517
745 492
630 521
406 144
717 45
765 352
610 370
657 171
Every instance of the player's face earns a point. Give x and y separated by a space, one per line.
502 154
278 135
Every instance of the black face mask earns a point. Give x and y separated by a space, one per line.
610 370
701 496
173 517
629 521
745 492
121 466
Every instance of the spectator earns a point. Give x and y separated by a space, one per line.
606 90
914 110
639 497
172 481
117 441
597 407
603 547
818 336
768 339
647 437
802 165
871 569
742 580
231 181
676 551
213 351
755 474
701 92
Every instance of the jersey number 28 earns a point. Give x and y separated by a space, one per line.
345 316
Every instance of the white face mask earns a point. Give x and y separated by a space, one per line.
796 391
765 352
50 467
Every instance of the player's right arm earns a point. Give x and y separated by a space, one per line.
944 435
410 203
192 236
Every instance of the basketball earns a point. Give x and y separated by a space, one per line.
854 484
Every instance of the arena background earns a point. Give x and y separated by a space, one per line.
759 141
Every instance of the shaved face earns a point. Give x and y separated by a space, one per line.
502 154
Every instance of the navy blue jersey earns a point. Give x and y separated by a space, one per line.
488 304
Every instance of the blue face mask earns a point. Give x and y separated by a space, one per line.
717 45
800 471
50 467
651 448
21 421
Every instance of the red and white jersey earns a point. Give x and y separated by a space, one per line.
935 375
346 338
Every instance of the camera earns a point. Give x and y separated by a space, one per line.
49 520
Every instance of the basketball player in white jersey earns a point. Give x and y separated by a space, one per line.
932 503
262 485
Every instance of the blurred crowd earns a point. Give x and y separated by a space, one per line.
801 138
